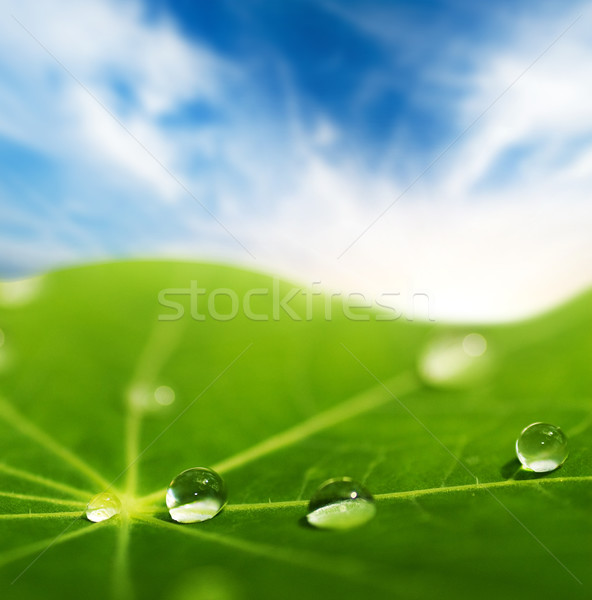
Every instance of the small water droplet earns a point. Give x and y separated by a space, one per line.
145 398
164 395
102 507
340 503
474 344
454 360
196 495
541 447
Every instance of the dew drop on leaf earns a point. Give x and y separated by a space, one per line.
541 447
102 507
196 495
146 398
164 395
340 503
454 360
474 344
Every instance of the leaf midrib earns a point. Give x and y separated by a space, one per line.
471 487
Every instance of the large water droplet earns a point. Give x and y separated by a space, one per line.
196 495
541 447
102 507
454 360
340 503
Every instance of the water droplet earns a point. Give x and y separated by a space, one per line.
340 503
164 395
145 398
541 447
455 360
196 495
102 507
474 344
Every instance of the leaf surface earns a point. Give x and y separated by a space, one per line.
278 406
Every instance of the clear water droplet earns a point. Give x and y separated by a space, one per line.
340 503
474 344
102 507
541 447
196 495
144 397
164 395
455 360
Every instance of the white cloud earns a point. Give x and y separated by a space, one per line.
103 44
481 247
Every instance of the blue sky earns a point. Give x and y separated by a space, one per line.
275 134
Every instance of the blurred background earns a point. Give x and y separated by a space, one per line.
433 147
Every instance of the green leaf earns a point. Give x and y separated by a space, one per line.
278 406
